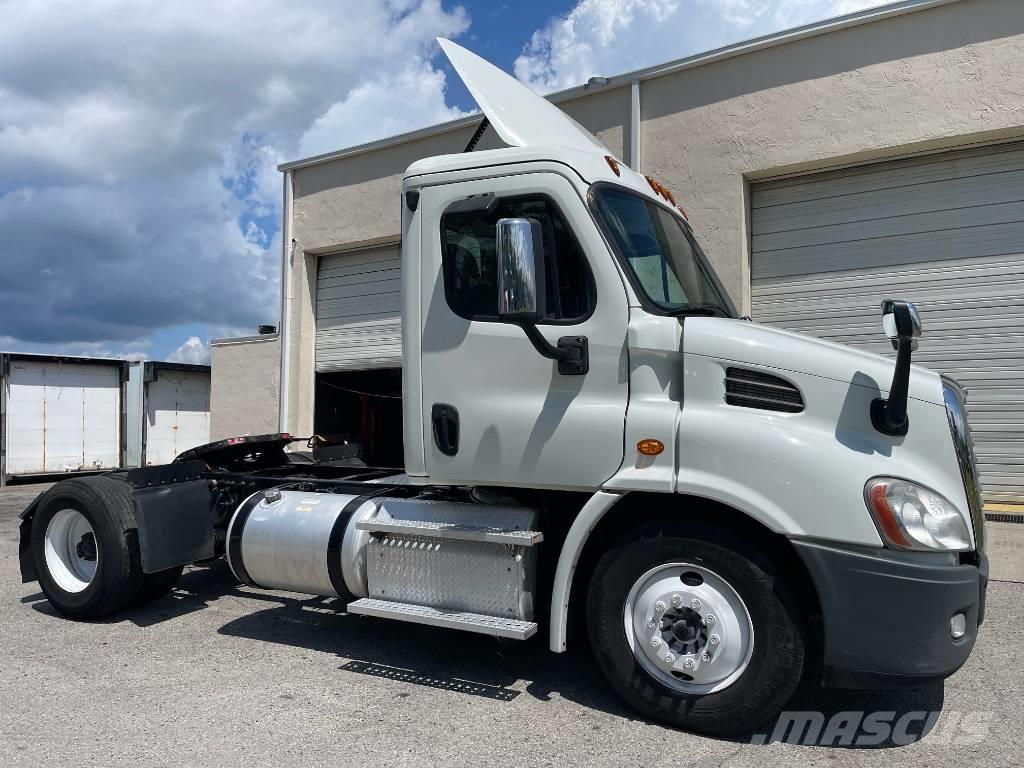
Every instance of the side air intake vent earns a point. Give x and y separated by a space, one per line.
754 389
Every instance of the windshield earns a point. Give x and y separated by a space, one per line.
666 264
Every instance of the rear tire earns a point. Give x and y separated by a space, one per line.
85 547
647 610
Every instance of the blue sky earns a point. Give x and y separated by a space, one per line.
139 139
498 32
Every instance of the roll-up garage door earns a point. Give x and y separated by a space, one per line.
945 231
358 310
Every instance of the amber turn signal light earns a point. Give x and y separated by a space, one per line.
613 164
650 447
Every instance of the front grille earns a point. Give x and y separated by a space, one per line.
955 397
755 389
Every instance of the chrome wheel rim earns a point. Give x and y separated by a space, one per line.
688 628
70 550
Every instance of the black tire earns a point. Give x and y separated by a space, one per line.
156 585
777 659
106 504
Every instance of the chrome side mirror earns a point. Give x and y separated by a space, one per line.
520 255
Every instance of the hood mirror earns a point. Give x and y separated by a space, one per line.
900 320
902 324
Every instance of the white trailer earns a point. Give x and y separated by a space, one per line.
168 407
60 414
594 443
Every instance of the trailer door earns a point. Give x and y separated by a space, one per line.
62 417
177 414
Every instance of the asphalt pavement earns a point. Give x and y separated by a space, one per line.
220 675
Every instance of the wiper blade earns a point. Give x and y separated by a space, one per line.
710 310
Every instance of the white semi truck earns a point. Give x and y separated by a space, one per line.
596 448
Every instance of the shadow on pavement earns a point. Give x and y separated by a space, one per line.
483 666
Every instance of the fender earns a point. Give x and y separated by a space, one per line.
173 509
585 522
691 484
28 567
594 511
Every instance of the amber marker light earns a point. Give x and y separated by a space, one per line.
650 447
613 164
877 493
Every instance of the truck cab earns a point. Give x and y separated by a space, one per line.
597 444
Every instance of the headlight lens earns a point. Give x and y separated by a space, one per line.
910 516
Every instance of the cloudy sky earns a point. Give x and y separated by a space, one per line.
139 139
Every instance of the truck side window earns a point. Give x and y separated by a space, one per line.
471 269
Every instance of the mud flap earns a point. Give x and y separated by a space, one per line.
175 524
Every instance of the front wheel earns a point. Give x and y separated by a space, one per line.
693 631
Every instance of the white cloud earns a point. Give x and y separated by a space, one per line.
607 37
139 138
192 350
384 106
139 141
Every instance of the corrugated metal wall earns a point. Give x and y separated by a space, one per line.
945 231
358 310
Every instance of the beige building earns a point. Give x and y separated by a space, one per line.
245 382
823 169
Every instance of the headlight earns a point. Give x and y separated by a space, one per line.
910 516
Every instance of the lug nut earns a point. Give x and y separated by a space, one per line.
705 657
695 604
670 658
688 664
652 624
677 600
713 640
659 607
710 619
655 642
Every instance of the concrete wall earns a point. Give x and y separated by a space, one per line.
940 77
936 78
244 385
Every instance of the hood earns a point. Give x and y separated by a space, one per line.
521 117
760 345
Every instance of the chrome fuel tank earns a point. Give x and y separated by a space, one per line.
301 542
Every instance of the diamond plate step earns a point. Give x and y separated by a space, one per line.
421 614
451 531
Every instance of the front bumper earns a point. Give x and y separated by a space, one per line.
887 619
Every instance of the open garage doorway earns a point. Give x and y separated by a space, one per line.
359 416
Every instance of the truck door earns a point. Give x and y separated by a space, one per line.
495 411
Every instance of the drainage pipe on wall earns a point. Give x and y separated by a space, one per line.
634 125
287 294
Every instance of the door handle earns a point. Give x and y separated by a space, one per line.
445 420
